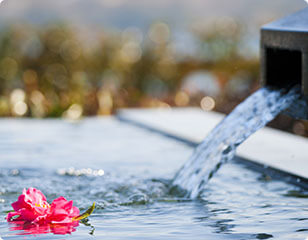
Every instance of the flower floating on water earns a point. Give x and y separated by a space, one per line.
34 214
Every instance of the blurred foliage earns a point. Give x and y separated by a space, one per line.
51 72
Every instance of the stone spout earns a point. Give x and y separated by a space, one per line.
284 57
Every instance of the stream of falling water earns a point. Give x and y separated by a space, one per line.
220 145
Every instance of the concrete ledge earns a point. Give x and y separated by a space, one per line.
269 147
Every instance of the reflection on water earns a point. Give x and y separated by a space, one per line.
32 229
133 195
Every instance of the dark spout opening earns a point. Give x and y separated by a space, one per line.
283 67
284 57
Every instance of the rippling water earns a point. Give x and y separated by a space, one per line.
128 171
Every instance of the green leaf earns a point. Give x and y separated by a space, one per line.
86 213
8 211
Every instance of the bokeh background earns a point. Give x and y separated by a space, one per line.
75 58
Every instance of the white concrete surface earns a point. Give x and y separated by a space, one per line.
271 147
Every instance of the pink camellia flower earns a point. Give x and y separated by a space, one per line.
34 215
32 207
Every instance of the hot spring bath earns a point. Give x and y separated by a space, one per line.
133 197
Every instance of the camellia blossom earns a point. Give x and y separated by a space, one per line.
32 207
34 214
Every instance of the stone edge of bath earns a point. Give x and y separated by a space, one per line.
268 147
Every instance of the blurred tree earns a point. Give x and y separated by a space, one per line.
50 72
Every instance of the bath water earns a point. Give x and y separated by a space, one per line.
128 171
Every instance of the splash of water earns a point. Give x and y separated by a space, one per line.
220 145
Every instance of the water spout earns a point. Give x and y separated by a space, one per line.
284 57
220 145
284 62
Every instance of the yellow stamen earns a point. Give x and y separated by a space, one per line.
42 205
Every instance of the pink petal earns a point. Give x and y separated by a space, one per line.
36 195
41 220
27 215
74 212
60 201
20 203
29 199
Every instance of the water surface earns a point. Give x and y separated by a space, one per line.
133 197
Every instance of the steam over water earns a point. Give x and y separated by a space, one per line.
220 145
